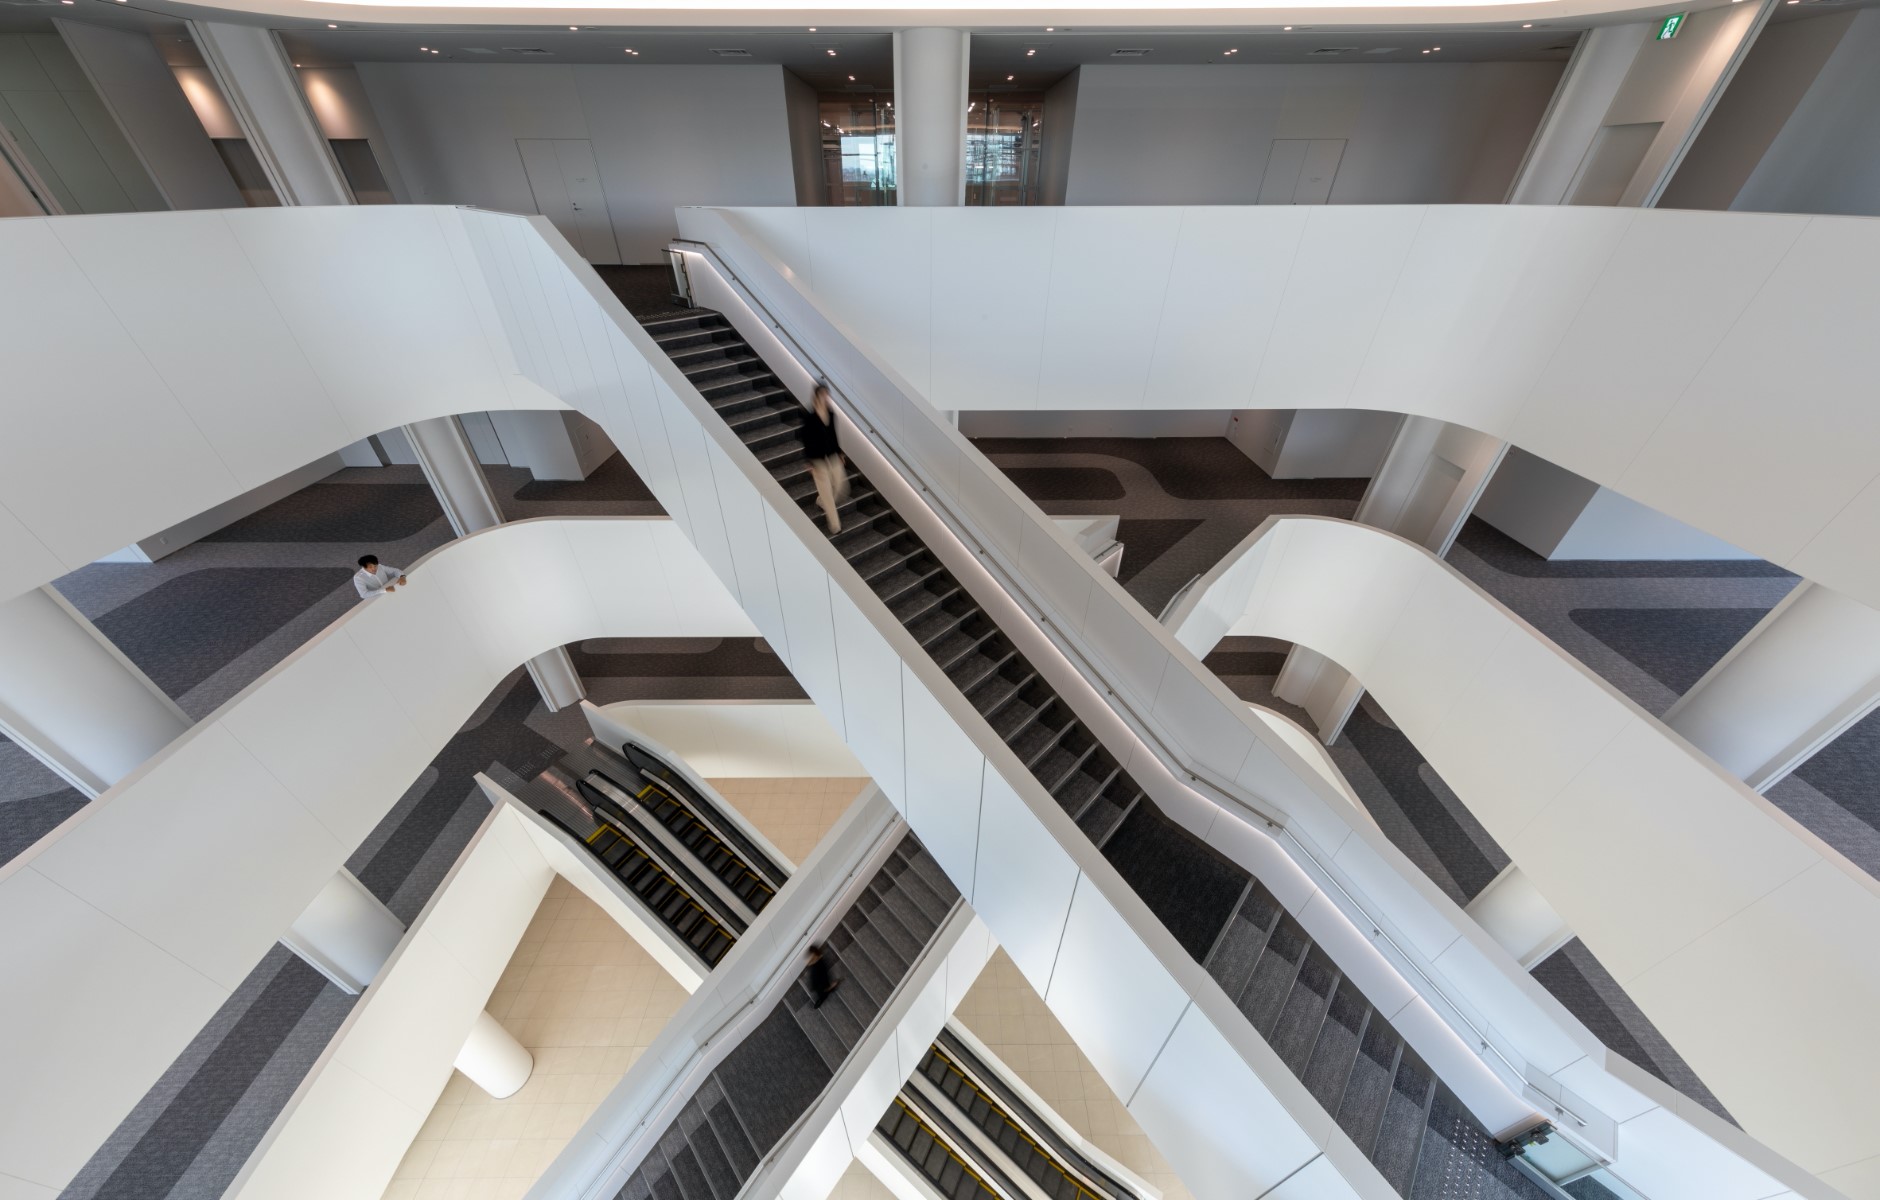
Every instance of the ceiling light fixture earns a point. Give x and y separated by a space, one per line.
1031 52
1010 78
1287 28
422 49
574 29
1436 47
812 29
437 52
1527 27
1426 52
1234 51
330 25
1050 29
830 53
851 79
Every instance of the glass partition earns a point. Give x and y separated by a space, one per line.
1004 141
858 148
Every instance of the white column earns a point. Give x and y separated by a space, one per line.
345 934
1807 671
257 79
493 1059
1519 918
450 464
1423 490
72 699
930 116
141 92
1630 105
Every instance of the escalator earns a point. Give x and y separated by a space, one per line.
1405 1121
752 1098
988 1138
874 944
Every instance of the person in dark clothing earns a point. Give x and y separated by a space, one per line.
826 464
822 980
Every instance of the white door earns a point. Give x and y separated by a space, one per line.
1301 170
567 187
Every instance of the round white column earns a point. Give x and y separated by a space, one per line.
493 1059
72 699
1806 672
450 464
345 933
930 117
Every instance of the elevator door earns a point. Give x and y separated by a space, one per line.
567 187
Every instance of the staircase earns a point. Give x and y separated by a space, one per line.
773 1076
1400 1116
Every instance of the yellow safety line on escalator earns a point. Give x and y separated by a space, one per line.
996 1106
941 1142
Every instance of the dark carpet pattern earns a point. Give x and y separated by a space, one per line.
1185 502
29 818
181 632
687 668
1067 483
612 482
337 512
1676 645
1510 557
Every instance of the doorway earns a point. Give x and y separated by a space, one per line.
567 186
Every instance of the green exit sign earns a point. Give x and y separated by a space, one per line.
1669 27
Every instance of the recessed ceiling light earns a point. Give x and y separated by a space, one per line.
830 53
1050 29
851 79
1010 78
1426 52
1236 51
812 29
437 52
422 49
1527 26
574 29
1031 52
296 64
1436 47
1287 28
330 25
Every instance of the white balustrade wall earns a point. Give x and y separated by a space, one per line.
1718 367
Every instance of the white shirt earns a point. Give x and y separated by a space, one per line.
371 583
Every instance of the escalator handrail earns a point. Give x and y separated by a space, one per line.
709 814
948 1140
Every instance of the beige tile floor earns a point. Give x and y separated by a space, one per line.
586 1000
1003 1011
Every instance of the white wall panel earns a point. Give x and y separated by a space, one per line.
945 772
162 291
1232 1138
1106 264
1022 883
891 274
970 254
1207 307
1338 284
171 853
1110 994
85 394
339 789
871 676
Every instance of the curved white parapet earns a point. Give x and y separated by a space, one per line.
1718 367
125 928
1721 916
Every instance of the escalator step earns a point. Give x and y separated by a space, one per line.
950 1176
1329 1065
1298 1026
1361 1111
1274 974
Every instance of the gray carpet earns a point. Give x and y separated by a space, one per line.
183 631
1185 502
333 512
1675 645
